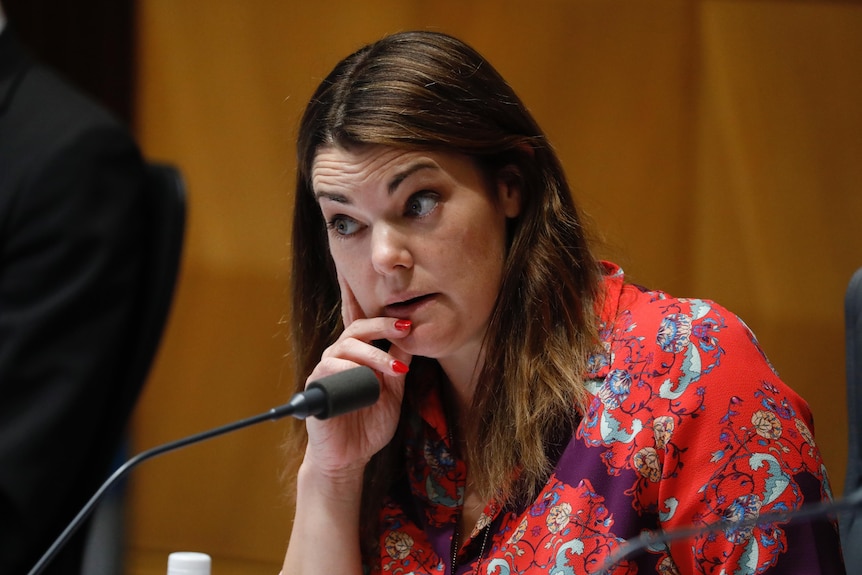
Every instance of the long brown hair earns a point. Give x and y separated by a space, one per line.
430 91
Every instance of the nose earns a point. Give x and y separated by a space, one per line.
389 249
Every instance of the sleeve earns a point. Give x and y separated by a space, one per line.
72 255
732 441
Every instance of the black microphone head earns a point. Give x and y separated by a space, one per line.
347 391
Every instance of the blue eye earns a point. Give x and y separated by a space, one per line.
343 226
422 204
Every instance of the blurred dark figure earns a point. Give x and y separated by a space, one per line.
89 43
71 248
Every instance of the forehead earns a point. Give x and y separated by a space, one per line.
337 169
336 162
336 166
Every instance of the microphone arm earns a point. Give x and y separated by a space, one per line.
807 512
327 397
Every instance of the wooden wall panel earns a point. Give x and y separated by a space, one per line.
777 187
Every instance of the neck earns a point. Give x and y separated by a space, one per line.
463 374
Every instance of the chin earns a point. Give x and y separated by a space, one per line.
419 343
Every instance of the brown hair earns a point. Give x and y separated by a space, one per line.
427 90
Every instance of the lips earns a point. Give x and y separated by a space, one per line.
408 305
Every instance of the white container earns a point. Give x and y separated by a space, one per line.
189 563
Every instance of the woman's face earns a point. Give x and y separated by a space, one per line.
418 236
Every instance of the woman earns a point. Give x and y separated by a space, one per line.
535 409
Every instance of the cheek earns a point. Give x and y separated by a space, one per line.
481 247
351 271
346 254
475 263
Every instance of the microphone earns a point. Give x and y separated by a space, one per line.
327 397
807 512
334 395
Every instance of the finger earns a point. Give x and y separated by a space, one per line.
400 355
377 328
330 366
359 352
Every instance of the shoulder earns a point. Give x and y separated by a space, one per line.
45 118
669 327
655 323
41 96
59 146
692 359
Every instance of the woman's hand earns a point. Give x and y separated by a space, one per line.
340 447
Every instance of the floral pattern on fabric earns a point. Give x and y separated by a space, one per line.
566 526
689 424
438 478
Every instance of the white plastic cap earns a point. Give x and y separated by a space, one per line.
189 563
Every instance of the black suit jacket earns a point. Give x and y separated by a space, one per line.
71 244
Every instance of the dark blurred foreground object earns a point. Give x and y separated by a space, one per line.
851 524
90 239
90 43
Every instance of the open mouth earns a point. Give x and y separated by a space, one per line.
409 303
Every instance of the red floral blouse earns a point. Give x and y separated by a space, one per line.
689 424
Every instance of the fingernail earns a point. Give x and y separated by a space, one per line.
399 367
403 324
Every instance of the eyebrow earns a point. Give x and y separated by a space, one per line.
391 188
412 169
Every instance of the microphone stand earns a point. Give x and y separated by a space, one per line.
648 539
328 397
84 513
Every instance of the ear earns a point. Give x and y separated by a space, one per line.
509 183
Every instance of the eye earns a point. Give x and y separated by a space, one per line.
421 204
343 225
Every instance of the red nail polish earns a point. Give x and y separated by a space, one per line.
399 367
403 324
